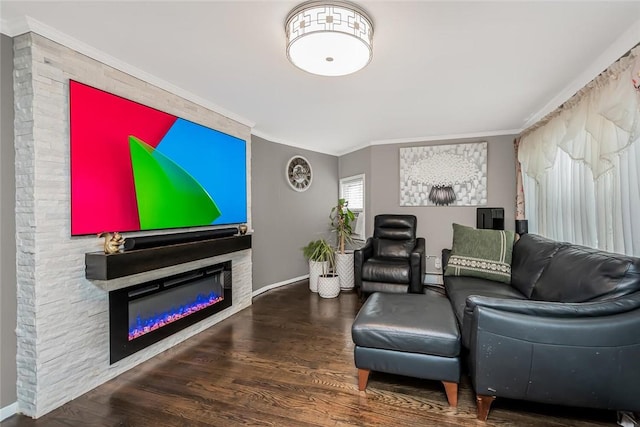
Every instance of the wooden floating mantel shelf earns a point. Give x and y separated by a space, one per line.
101 266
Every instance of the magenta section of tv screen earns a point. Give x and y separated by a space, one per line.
102 189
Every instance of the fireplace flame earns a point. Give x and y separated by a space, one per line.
158 320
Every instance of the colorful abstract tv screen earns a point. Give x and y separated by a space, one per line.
136 168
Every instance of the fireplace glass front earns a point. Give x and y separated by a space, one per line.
144 314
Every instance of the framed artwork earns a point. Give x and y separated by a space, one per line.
444 175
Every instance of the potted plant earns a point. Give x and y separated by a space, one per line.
341 223
328 281
317 263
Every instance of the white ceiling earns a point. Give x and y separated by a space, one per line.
440 69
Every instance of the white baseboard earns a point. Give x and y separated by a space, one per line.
277 285
8 411
433 278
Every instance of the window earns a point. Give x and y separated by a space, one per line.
352 190
582 164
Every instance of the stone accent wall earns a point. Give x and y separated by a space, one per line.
63 342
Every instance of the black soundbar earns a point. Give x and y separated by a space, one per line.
145 242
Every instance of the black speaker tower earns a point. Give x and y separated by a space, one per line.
522 226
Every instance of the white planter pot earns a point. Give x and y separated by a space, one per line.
316 269
344 268
328 286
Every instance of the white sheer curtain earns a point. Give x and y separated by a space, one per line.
582 166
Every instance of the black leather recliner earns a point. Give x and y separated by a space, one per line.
393 260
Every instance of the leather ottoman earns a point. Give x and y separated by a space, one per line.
408 334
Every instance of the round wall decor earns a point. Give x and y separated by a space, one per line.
298 173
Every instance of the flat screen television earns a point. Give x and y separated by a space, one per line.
137 168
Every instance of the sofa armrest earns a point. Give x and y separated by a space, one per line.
418 262
446 253
577 361
556 309
359 257
545 309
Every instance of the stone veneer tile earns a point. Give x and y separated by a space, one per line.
63 343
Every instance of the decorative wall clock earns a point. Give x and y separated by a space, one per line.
298 173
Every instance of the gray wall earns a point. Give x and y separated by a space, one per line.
285 220
7 229
434 223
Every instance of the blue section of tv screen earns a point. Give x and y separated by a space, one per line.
214 159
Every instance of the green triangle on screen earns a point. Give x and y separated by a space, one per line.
167 196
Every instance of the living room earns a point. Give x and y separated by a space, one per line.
48 279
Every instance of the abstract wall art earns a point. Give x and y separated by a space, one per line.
444 175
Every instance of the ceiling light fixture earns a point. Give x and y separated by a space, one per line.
329 38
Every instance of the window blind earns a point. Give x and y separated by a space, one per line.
352 190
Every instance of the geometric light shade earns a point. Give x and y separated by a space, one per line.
329 38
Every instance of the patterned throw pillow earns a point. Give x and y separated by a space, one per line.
481 253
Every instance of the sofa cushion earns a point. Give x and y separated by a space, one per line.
481 253
578 274
395 227
391 270
369 287
531 254
459 288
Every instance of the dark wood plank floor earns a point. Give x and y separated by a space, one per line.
286 361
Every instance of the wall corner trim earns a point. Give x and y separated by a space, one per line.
8 411
277 285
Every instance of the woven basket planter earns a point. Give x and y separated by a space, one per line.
344 268
328 286
316 268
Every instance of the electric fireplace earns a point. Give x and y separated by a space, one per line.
142 315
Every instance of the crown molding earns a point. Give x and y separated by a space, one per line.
618 48
354 149
14 27
28 24
281 141
447 137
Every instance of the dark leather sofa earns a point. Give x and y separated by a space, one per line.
393 260
566 330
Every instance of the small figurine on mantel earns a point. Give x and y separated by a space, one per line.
112 242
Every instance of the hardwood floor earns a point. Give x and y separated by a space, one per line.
285 361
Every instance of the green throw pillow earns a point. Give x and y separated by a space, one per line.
481 253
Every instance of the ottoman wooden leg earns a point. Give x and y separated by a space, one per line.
363 378
452 392
484 404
